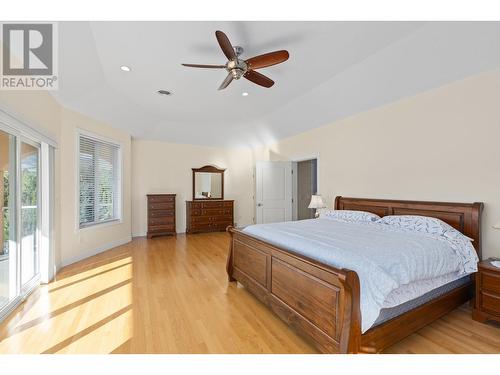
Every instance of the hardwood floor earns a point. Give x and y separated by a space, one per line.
171 295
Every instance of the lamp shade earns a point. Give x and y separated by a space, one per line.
316 202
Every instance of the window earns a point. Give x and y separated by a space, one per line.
99 174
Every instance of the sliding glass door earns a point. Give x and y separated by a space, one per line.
19 218
29 212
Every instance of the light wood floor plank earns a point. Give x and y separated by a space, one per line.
171 295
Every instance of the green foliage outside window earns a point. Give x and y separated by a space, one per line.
29 200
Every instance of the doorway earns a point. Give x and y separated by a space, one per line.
306 183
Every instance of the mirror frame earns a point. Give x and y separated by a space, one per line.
210 169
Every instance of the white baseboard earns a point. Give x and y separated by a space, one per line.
138 235
95 251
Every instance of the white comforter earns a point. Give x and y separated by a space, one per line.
384 258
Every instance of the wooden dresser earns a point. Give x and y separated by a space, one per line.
209 216
161 214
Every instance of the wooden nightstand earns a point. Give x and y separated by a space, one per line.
487 298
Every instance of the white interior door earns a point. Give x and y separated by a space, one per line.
273 195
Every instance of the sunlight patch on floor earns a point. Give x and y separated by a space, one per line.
87 311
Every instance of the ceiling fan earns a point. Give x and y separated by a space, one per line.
238 68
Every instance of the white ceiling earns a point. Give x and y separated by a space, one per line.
336 69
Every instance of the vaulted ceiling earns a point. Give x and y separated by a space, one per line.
336 69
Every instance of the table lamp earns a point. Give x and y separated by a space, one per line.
316 203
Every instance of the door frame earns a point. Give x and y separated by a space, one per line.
35 280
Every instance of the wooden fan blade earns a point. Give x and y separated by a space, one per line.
204 66
267 59
259 79
225 45
226 82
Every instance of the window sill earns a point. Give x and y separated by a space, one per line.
102 224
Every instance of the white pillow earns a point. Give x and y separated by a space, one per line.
348 215
439 229
426 224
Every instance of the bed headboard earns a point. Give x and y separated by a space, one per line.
465 217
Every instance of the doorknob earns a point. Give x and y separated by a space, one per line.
259 204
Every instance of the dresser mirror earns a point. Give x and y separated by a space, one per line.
208 183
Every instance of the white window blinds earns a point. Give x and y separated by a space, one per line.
99 181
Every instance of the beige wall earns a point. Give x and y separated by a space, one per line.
40 110
442 145
160 167
80 243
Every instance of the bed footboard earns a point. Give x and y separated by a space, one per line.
320 302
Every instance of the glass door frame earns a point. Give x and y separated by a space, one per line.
28 286
12 257
8 125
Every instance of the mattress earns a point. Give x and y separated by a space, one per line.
387 314
387 260
416 289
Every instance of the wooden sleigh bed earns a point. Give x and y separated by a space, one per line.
322 303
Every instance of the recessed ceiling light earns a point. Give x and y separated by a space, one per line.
125 68
245 94
164 92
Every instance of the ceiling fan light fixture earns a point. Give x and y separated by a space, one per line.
244 94
125 68
237 67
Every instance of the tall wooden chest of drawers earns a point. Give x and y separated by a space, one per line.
209 216
161 214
